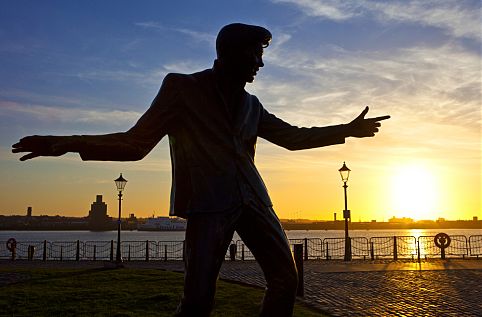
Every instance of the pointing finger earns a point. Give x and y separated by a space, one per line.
379 118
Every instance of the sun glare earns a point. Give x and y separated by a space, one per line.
414 192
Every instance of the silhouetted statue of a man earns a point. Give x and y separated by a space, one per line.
213 124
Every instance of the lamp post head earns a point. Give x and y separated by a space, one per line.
120 183
344 173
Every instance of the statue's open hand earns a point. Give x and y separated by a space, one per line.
361 127
39 145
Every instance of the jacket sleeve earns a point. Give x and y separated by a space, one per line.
294 138
138 141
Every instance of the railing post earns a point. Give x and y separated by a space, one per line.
306 249
165 252
183 250
395 248
77 251
372 250
44 255
111 250
232 252
147 250
14 251
61 252
327 250
242 252
95 250
129 252
418 250
298 254
30 252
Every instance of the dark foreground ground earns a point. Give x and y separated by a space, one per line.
431 288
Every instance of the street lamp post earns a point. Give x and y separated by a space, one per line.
120 184
345 173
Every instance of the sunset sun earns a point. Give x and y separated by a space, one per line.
414 192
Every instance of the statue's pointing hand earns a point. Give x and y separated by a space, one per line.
362 127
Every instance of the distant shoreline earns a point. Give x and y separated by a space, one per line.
339 225
328 225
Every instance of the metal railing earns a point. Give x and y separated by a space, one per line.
391 247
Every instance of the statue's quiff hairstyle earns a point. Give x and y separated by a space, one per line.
235 37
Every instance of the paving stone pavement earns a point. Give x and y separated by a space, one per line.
380 293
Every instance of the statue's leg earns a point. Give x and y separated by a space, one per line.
208 236
261 231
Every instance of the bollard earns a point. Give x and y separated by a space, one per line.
395 249
232 252
306 249
95 249
165 252
44 255
327 251
298 255
112 250
372 251
77 251
147 250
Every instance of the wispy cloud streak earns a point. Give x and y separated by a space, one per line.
71 115
457 18
439 84
197 36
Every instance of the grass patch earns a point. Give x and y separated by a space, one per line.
115 292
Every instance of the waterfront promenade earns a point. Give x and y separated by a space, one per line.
359 288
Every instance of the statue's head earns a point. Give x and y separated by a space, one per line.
239 48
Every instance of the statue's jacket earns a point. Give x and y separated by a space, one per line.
212 148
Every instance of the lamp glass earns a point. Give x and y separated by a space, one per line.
120 183
344 172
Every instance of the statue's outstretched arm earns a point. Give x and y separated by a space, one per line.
131 145
292 137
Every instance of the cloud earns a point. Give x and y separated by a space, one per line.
440 84
70 115
193 34
457 18
333 10
151 77
185 67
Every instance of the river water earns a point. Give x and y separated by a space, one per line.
179 235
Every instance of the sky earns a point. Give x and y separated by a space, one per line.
93 67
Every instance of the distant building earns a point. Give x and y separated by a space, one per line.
98 219
29 212
475 218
